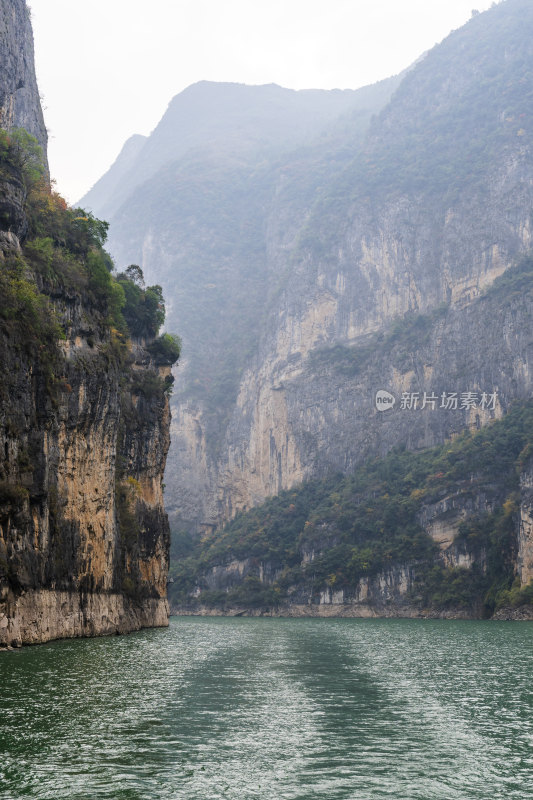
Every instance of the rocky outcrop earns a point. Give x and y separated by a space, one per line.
83 533
522 613
20 106
84 413
12 215
525 528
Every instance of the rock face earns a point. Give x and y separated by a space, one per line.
458 545
20 106
12 215
211 208
360 262
525 529
391 248
83 533
84 421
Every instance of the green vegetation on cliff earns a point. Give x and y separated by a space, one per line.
333 532
62 251
398 341
80 356
466 106
418 194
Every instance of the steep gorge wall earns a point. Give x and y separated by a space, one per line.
525 527
84 416
215 228
420 225
365 259
83 532
305 409
20 106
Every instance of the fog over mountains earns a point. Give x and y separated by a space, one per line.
317 247
193 204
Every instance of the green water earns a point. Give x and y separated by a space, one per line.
273 709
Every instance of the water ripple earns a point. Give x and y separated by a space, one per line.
234 709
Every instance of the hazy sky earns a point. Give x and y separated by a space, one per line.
109 68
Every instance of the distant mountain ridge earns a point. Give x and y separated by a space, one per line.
231 117
103 194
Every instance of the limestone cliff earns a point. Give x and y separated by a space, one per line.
84 432
388 253
215 226
296 276
20 106
444 532
525 530
410 230
84 413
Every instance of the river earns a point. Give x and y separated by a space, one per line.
276 709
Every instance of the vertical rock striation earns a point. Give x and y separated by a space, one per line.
525 527
84 414
20 105
84 536
368 259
